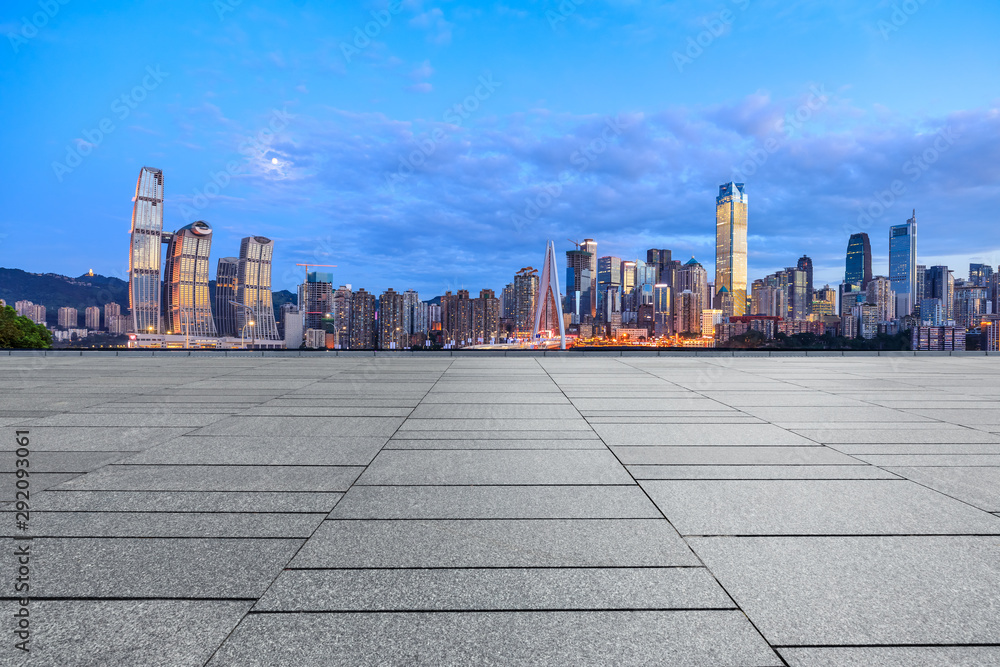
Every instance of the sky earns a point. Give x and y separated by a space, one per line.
438 145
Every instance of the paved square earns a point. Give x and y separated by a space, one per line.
572 510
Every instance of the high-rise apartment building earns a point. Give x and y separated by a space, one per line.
363 333
410 313
226 280
187 309
486 317
879 293
92 318
980 274
144 252
457 318
971 303
341 311
68 318
508 303
526 297
391 319
825 301
731 246
903 265
859 261
253 287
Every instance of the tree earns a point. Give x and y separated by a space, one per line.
20 332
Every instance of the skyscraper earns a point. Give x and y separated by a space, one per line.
363 334
226 274
903 265
879 293
798 293
68 318
806 264
731 246
187 309
316 295
581 283
391 335
254 287
144 252
609 280
980 274
663 315
341 311
859 261
940 284
486 317
526 297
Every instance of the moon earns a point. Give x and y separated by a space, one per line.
274 160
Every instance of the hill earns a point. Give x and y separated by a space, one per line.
54 291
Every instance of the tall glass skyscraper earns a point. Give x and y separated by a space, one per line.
144 252
225 293
254 287
731 245
903 265
859 261
187 308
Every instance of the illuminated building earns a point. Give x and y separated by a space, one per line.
880 294
548 312
391 332
526 298
341 311
186 306
731 247
970 305
144 252
805 264
363 333
253 288
939 284
486 317
663 315
859 261
316 294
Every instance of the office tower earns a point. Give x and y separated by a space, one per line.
932 312
628 276
68 317
580 283
92 318
859 261
660 260
253 287
903 265
731 246
316 294
940 284
508 303
526 297
799 292
769 300
921 288
710 318
486 317
980 274
879 293
971 304
187 309
825 301
363 333
341 311
457 318
590 245
291 320
866 316
663 314
548 312
806 264
226 280
391 334
609 280
144 252
691 277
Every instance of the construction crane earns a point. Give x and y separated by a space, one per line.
576 243
331 266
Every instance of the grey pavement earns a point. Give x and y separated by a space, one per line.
578 510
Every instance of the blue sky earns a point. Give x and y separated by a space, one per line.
440 150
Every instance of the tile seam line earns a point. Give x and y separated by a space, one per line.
708 569
337 502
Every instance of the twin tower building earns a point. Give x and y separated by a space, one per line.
180 304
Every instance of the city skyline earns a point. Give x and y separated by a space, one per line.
405 165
